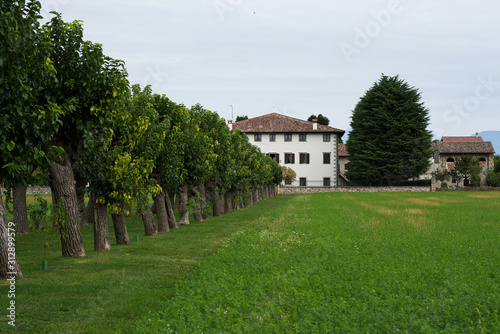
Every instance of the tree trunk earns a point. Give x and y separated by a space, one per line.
153 208
183 200
255 195
228 204
161 213
149 223
249 199
9 266
20 212
196 209
172 222
80 187
101 228
89 217
218 206
203 195
121 233
62 185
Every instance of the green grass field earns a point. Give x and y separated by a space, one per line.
355 263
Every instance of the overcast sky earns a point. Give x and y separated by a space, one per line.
305 57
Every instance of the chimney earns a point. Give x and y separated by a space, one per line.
315 124
230 124
477 134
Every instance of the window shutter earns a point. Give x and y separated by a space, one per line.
307 158
277 157
293 158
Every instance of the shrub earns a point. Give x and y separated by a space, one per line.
492 178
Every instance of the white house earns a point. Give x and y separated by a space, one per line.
309 148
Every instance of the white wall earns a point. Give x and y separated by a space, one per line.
315 171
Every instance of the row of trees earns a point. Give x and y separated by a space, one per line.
68 113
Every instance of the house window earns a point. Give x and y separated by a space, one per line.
288 137
289 158
326 158
326 137
450 163
326 182
288 182
274 156
303 137
304 158
272 137
303 182
482 162
257 137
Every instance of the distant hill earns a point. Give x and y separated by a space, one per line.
494 137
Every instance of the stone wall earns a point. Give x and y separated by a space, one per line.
313 190
33 190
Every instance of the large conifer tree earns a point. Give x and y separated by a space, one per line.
389 141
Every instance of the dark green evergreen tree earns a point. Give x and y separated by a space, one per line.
389 141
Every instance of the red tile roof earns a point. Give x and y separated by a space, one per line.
278 123
463 145
343 150
443 147
469 139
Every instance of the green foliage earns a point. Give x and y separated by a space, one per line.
468 168
241 118
27 118
493 178
441 174
288 174
321 119
444 185
389 140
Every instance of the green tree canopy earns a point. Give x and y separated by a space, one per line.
389 140
321 119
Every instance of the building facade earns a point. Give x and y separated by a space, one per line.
309 148
449 149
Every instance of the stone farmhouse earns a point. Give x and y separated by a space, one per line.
449 149
309 148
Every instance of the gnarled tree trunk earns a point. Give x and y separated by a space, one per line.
172 222
196 209
20 212
161 212
203 194
255 195
101 228
183 200
149 221
62 185
218 203
9 266
121 232
228 203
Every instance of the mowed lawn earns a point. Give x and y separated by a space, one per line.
350 263
338 263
